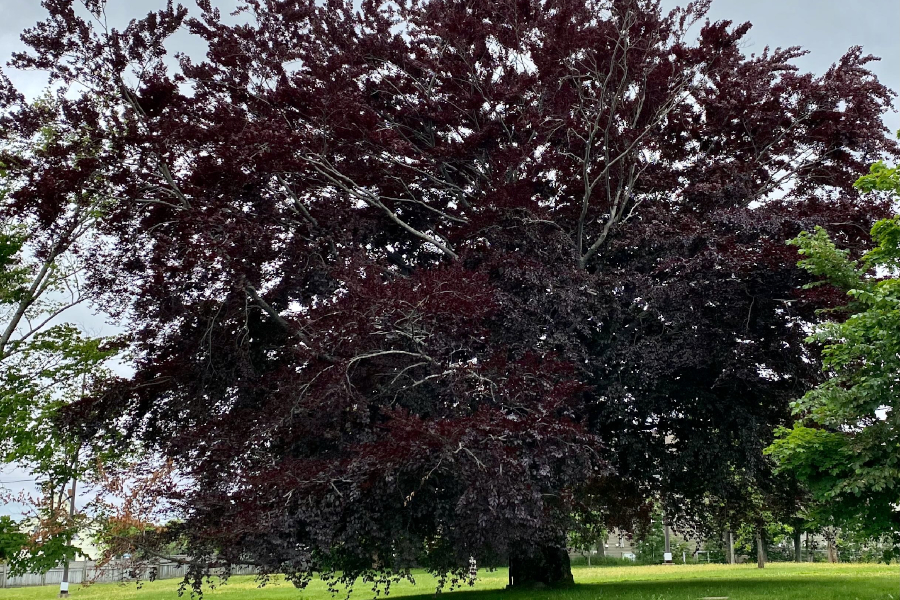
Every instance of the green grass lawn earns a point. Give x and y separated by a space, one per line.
782 581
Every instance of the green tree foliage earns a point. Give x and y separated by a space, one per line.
45 365
651 542
12 540
588 533
846 446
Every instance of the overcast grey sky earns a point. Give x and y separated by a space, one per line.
827 28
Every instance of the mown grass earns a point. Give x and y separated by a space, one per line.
781 581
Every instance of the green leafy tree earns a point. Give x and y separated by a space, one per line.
846 445
45 364
651 541
12 540
588 534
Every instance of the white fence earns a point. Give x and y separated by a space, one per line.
81 571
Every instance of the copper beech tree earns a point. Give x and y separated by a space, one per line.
411 282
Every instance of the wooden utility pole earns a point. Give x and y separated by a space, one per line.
730 541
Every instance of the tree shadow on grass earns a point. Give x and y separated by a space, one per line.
780 588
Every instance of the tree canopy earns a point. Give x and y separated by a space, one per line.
413 282
846 444
45 362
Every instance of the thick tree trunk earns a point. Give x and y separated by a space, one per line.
760 550
548 566
729 540
601 549
797 545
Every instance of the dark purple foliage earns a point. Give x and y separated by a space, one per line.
406 281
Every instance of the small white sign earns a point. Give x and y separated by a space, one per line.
64 586
667 556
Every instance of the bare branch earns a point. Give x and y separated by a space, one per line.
348 185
